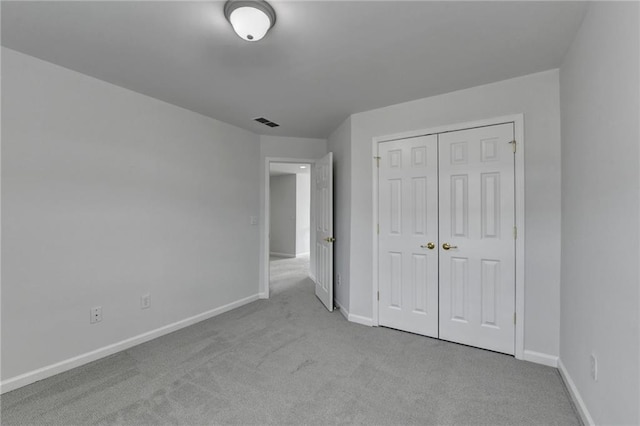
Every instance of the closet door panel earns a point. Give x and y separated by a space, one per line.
477 245
408 219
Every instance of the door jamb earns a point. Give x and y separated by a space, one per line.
518 122
263 286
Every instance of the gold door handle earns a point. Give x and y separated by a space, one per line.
330 239
448 246
429 246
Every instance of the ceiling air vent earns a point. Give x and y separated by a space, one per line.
266 122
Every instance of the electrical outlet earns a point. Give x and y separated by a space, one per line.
338 279
96 315
253 220
594 367
145 301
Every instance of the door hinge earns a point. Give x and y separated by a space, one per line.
513 145
378 296
515 232
514 317
377 161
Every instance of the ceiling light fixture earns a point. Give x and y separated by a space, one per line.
303 167
250 19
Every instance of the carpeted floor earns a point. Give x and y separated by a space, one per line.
288 361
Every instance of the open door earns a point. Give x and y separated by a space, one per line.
323 196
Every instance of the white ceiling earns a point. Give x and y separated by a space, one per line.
277 169
321 62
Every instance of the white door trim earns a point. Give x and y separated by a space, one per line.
518 122
263 286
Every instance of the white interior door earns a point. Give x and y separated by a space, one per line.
408 235
477 241
323 196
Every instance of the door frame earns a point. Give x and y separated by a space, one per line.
518 122
265 210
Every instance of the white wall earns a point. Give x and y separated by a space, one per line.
280 146
599 92
340 144
303 213
537 97
283 215
283 147
109 194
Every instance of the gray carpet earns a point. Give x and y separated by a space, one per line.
288 361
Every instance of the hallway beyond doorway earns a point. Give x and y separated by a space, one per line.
286 273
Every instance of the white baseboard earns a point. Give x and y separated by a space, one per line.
263 295
306 253
361 320
62 366
343 311
575 395
540 358
277 254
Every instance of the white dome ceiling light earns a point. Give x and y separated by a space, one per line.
250 19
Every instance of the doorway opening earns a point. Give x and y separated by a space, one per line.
289 227
321 237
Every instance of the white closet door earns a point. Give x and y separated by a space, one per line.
477 219
408 216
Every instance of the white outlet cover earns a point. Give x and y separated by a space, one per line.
145 301
95 314
594 367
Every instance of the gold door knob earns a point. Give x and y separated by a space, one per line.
430 246
330 239
448 246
